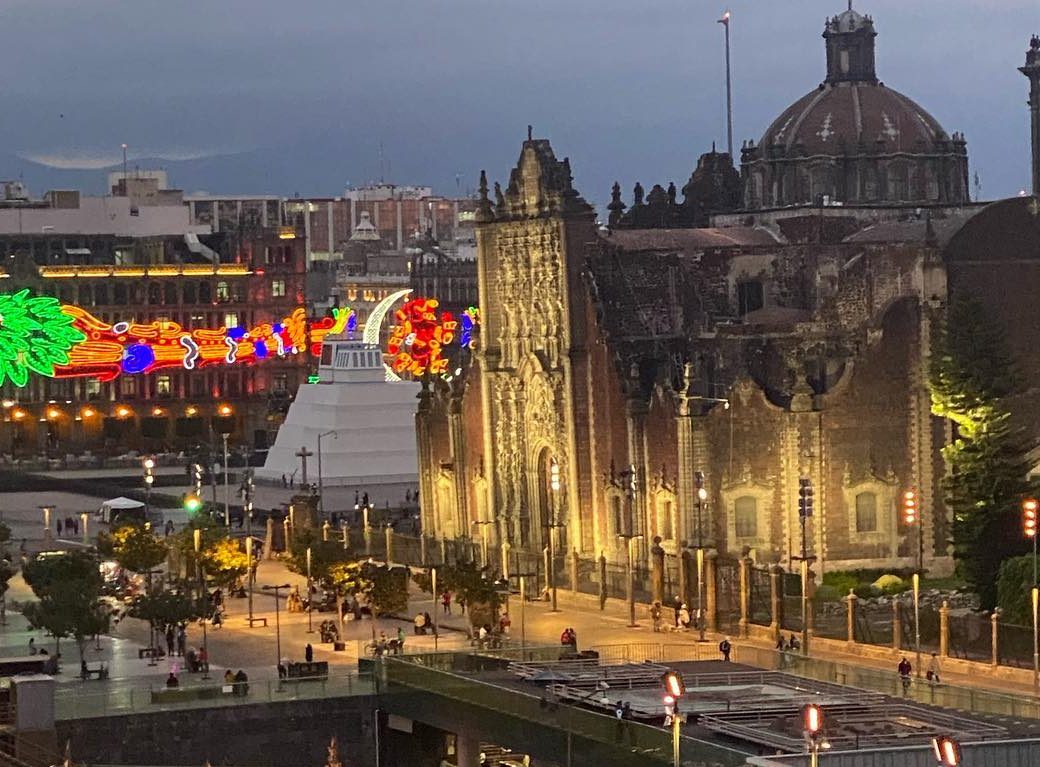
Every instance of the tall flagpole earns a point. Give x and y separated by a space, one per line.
724 21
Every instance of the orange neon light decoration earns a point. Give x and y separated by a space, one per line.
418 337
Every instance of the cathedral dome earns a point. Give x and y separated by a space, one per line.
839 117
853 140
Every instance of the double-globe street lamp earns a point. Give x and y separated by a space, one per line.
277 624
1029 520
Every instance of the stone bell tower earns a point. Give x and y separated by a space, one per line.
1032 71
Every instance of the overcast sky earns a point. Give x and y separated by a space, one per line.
629 89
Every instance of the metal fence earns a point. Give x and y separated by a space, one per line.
760 606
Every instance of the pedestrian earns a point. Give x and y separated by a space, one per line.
400 640
285 481
172 681
932 673
504 623
725 648
32 646
905 669
170 639
182 640
677 607
428 623
780 644
229 677
793 643
308 653
58 525
241 683
655 616
684 616
446 602
203 659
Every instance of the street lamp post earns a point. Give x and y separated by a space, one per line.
674 689
628 537
912 518
554 485
812 716
277 624
321 485
227 487
702 496
248 512
47 510
433 588
149 479
1029 520
724 21
523 601
204 596
310 607
483 524
805 511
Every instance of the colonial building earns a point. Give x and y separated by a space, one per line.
621 369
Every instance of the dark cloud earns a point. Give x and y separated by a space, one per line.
628 89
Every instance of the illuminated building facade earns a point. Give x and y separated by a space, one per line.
127 262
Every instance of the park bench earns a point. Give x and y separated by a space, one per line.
87 671
305 672
185 694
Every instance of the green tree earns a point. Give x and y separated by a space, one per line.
324 554
1014 584
471 585
971 378
224 561
136 548
180 604
384 589
68 587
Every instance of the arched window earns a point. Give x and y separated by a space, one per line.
170 293
866 513
154 294
665 528
617 519
745 517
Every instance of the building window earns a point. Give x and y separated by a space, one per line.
664 520
616 518
223 293
154 293
198 320
170 293
749 296
162 385
277 288
230 320
866 513
745 517
189 293
92 388
128 387
281 382
120 295
205 293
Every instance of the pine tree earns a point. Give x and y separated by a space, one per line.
971 378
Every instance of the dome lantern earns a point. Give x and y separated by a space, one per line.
850 48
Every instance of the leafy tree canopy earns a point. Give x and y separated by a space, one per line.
324 554
225 561
53 575
170 607
136 548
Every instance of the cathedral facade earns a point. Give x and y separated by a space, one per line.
659 382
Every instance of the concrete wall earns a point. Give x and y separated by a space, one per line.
293 732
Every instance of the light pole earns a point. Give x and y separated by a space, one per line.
812 716
203 596
674 689
805 511
554 486
483 524
149 478
628 537
433 588
47 521
1029 510
724 21
247 488
321 486
702 496
912 519
227 487
310 607
523 601
277 624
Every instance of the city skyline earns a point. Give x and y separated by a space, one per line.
327 101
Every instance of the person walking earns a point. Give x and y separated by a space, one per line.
58 525
905 669
677 607
725 648
170 639
655 616
182 640
446 602
932 674
308 653
684 617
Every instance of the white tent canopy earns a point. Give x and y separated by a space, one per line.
117 504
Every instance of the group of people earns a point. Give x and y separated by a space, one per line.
569 638
446 603
905 670
329 631
791 644
683 619
70 525
388 645
423 623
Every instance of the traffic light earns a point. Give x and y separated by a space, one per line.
910 515
192 503
673 684
805 497
812 717
947 751
1029 508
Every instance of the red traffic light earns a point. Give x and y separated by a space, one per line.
812 715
